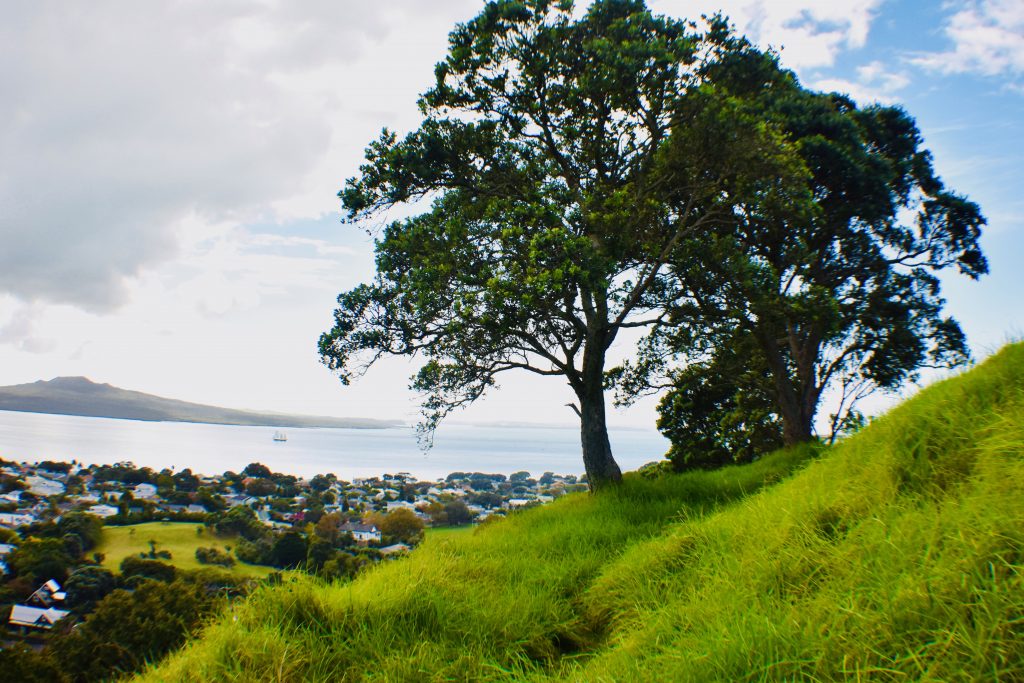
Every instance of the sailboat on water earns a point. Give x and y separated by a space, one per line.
280 436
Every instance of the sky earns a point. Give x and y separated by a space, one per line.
169 172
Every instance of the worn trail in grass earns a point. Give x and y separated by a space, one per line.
894 556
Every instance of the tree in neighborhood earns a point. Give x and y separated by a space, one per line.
41 559
129 629
402 525
88 528
87 586
839 292
564 160
289 550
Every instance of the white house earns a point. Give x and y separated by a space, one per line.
35 617
41 486
102 510
15 519
144 491
361 533
48 594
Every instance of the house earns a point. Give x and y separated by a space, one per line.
35 617
47 595
15 519
102 510
361 533
144 491
5 550
396 504
41 486
394 549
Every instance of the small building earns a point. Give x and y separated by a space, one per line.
35 617
41 486
395 549
11 497
15 519
102 510
361 533
144 491
47 595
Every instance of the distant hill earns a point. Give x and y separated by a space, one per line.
82 396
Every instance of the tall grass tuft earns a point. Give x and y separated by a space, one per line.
895 555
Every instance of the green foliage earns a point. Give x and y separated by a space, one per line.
567 155
238 521
129 629
255 469
289 550
831 281
319 553
214 556
449 513
895 555
403 525
22 664
41 559
143 568
88 585
259 551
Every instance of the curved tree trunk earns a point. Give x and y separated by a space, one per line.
602 470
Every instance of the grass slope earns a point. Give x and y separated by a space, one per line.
179 538
895 556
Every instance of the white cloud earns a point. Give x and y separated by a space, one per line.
20 329
987 37
874 83
809 33
123 121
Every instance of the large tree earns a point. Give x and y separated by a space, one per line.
837 294
561 162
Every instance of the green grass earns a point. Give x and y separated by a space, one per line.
179 538
895 556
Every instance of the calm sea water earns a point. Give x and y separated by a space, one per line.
348 453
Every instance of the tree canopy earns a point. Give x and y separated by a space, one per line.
561 162
839 291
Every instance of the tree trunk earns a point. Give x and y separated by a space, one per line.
797 416
602 470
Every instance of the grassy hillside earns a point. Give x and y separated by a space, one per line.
179 538
894 556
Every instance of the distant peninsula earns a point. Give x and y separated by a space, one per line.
81 396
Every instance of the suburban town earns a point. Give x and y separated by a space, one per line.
57 519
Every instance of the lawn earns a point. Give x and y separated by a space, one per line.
179 538
442 533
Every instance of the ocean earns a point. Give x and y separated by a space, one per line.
348 453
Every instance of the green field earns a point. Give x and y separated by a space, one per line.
897 555
179 538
